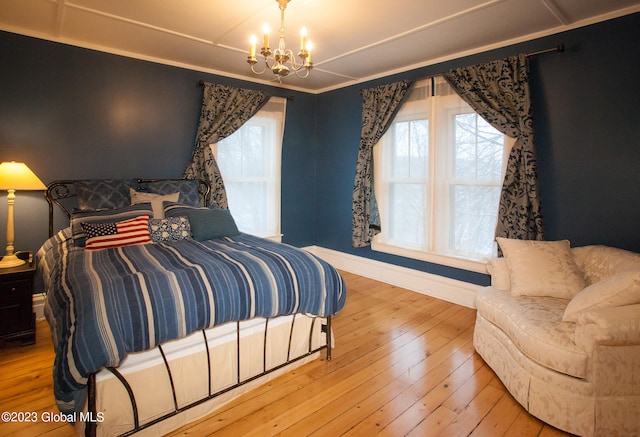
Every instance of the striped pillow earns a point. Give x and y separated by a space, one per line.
116 234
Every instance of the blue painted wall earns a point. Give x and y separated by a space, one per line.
587 124
588 133
72 113
75 113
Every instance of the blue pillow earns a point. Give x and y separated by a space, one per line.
104 193
206 223
188 189
170 229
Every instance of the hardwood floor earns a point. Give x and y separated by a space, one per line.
403 364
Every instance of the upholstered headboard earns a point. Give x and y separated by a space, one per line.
65 193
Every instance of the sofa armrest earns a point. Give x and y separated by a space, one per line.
497 268
609 326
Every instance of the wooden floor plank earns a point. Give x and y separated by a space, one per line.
403 364
499 419
405 420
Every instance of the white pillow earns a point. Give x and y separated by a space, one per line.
618 290
155 200
542 268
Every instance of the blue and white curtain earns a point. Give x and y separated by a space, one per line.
379 107
224 110
499 92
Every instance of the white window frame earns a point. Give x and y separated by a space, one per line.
271 118
438 183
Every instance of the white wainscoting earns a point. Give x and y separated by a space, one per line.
451 290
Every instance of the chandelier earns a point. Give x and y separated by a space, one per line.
277 59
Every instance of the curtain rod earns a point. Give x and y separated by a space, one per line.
559 48
289 98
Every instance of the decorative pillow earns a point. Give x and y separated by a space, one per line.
170 229
206 223
542 268
101 216
188 190
103 193
117 234
618 290
155 200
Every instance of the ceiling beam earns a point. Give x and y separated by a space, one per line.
556 12
140 24
59 20
425 26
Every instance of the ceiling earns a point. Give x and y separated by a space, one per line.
354 40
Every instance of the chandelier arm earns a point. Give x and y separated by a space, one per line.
257 72
300 64
292 60
306 72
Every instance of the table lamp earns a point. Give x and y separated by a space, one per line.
15 176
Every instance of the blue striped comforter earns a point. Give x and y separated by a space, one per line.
102 305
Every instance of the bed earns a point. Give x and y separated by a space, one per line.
161 311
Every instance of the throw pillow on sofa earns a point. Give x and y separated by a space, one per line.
542 268
618 290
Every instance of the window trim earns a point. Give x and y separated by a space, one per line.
275 128
382 243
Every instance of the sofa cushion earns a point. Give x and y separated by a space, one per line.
601 262
542 268
620 289
535 326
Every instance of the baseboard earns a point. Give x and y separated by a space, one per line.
450 290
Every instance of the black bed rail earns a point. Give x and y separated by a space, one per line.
91 426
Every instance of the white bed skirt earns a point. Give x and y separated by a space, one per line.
198 370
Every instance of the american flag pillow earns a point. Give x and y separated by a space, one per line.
116 234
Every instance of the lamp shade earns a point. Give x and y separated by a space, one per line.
17 176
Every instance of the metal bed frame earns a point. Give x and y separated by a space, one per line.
91 426
57 191
63 189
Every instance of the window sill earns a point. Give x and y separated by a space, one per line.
479 266
277 237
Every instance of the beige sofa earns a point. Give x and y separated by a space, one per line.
561 329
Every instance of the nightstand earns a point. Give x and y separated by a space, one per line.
17 320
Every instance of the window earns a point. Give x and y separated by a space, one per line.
250 161
438 176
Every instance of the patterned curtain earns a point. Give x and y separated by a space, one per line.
499 92
224 110
379 106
